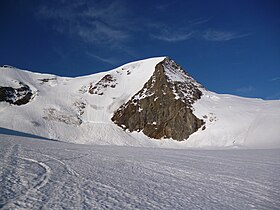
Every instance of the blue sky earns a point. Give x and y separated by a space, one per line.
229 46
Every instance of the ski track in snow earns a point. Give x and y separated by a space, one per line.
40 174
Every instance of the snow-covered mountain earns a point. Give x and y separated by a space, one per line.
151 102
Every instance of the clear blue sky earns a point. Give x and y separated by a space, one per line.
229 46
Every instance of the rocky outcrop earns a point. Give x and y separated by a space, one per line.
62 116
163 107
108 81
17 96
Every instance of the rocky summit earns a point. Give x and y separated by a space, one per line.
163 107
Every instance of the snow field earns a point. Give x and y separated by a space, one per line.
43 174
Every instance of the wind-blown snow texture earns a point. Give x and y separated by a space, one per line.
42 174
79 110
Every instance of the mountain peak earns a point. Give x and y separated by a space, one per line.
184 87
163 107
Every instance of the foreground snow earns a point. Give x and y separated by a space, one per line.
38 173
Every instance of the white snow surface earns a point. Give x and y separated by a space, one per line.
237 121
63 109
44 174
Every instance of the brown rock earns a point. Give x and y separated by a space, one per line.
102 85
163 108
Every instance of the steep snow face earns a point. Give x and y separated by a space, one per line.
80 109
115 88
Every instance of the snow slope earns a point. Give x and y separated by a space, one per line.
43 174
63 108
242 121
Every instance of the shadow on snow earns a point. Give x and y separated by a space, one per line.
10 132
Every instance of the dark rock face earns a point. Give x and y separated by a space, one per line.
45 80
16 96
163 108
106 82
